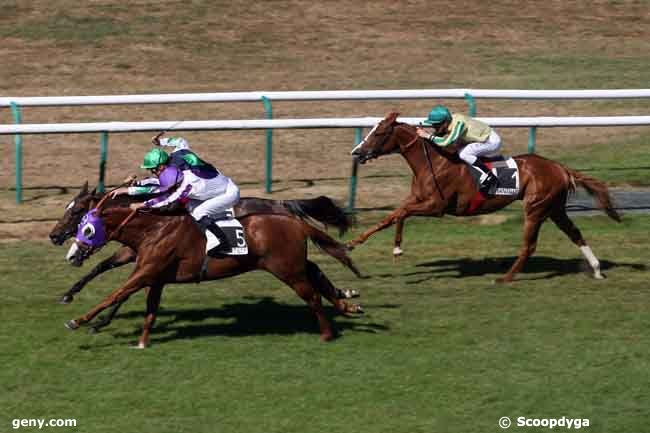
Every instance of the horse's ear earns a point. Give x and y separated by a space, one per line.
390 117
93 192
84 188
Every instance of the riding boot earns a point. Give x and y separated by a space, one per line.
206 223
488 179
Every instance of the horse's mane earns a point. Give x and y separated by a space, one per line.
449 156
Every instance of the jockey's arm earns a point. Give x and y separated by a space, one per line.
455 133
178 195
150 185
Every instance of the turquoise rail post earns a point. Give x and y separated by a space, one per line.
471 110
353 177
18 141
531 139
103 153
269 145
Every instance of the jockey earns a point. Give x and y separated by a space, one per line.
472 137
201 188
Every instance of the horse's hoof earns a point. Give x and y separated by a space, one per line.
93 330
66 299
348 293
502 280
327 337
600 276
140 345
72 325
350 245
397 251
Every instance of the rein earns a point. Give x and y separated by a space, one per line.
425 149
122 224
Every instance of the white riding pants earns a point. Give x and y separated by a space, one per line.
217 204
472 151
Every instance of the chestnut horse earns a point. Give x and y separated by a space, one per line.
170 249
442 184
66 227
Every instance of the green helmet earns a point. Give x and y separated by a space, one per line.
437 115
154 158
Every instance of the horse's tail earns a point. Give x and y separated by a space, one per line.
332 247
322 209
597 189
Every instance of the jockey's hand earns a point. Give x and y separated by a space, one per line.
129 180
119 191
156 138
422 133
136 206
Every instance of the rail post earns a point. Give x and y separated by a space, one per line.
471 104
353 177
103 153
269 146
532 135
18 141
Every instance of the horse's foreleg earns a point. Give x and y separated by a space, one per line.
399 229
153 302
121 257
132 285
386 222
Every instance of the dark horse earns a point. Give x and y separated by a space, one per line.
443 185
66 227
170 249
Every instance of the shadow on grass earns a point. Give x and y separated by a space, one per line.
468 267
264 317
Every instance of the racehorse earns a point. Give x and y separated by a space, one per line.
170 249
85 200
442 184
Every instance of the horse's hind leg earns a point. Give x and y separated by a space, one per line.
304 288
561 219
531 233
325 287
153 302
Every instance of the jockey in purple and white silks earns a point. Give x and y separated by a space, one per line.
202 189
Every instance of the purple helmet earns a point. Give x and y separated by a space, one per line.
170 177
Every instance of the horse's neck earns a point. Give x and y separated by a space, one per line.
140 227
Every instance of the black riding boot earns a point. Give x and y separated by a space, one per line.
488 178
206 223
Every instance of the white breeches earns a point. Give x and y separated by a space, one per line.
472 151
219 203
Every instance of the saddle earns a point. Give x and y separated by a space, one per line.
506 171
232 230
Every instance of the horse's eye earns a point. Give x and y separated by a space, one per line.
88 231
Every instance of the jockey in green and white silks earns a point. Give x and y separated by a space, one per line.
472 138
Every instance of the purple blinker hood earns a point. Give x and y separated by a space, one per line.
91 231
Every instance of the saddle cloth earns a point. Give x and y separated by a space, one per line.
506 171
234 232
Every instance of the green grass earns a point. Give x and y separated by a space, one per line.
440 349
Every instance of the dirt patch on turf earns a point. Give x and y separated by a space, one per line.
109 47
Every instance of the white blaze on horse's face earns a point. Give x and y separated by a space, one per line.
364 141
72 252
70 205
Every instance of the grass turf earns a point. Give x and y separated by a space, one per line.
440 349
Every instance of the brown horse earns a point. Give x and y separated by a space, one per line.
66 227
442 184
170 249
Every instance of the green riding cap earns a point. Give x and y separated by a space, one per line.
154 158
437 115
